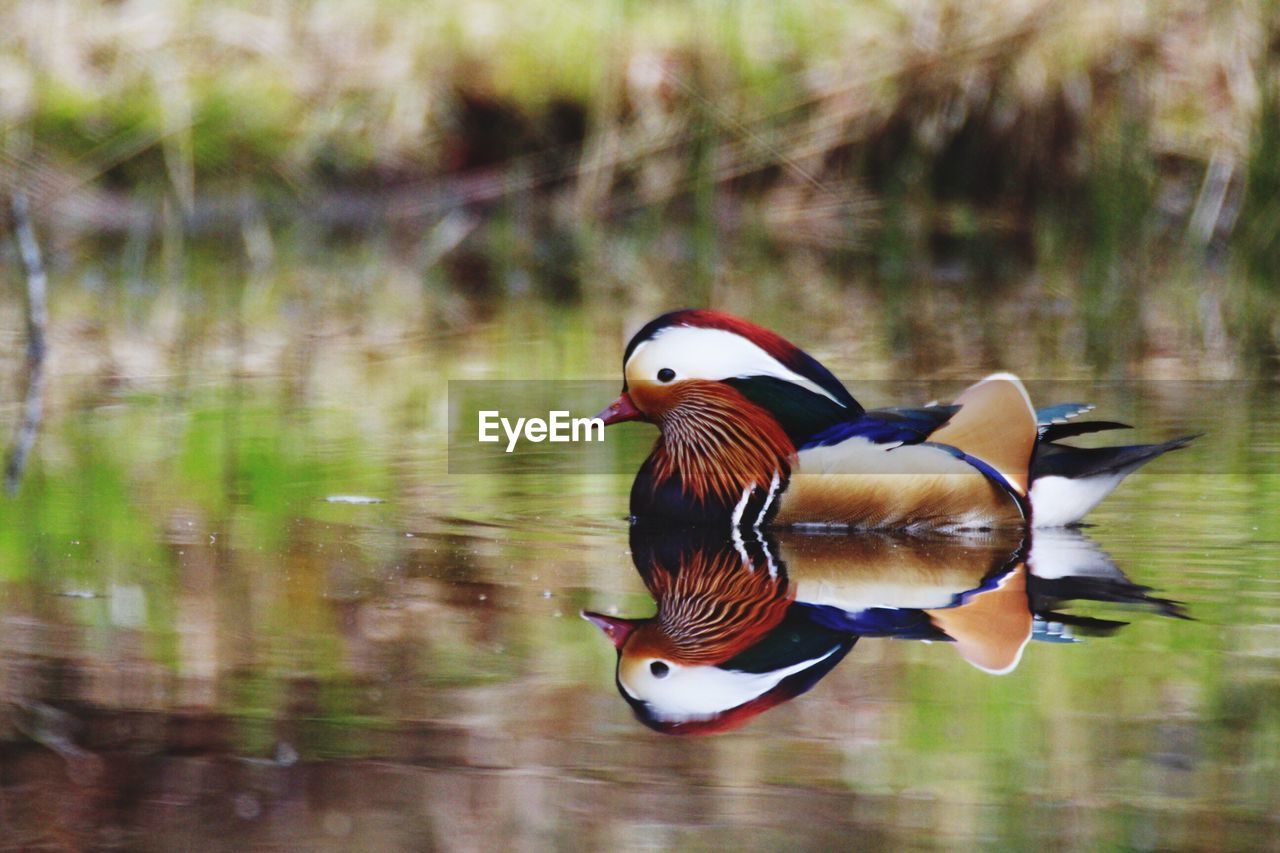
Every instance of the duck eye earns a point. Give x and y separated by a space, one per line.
659 669
666 374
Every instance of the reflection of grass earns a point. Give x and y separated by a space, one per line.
1259 238
215 512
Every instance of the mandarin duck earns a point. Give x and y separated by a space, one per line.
753 431
748 622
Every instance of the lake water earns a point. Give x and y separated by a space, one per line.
203 650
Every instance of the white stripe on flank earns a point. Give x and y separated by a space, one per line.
768 557
741 547
742 506
764 510
735 533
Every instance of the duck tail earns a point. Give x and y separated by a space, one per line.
1067 481
996 425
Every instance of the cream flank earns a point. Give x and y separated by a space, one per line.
556 427
861 484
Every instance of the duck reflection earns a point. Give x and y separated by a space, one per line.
748 622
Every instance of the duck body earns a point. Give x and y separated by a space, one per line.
746 622
754 433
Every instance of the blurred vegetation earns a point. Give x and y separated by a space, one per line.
1117 157
275 230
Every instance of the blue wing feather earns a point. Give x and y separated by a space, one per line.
886 426
1060 414
912 426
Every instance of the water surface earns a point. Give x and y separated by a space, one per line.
201 648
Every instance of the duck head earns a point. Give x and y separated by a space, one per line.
687 349
724 645
731 401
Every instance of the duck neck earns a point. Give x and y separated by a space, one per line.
724 451
715 604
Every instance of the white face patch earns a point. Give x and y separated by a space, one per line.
696 353
699 692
